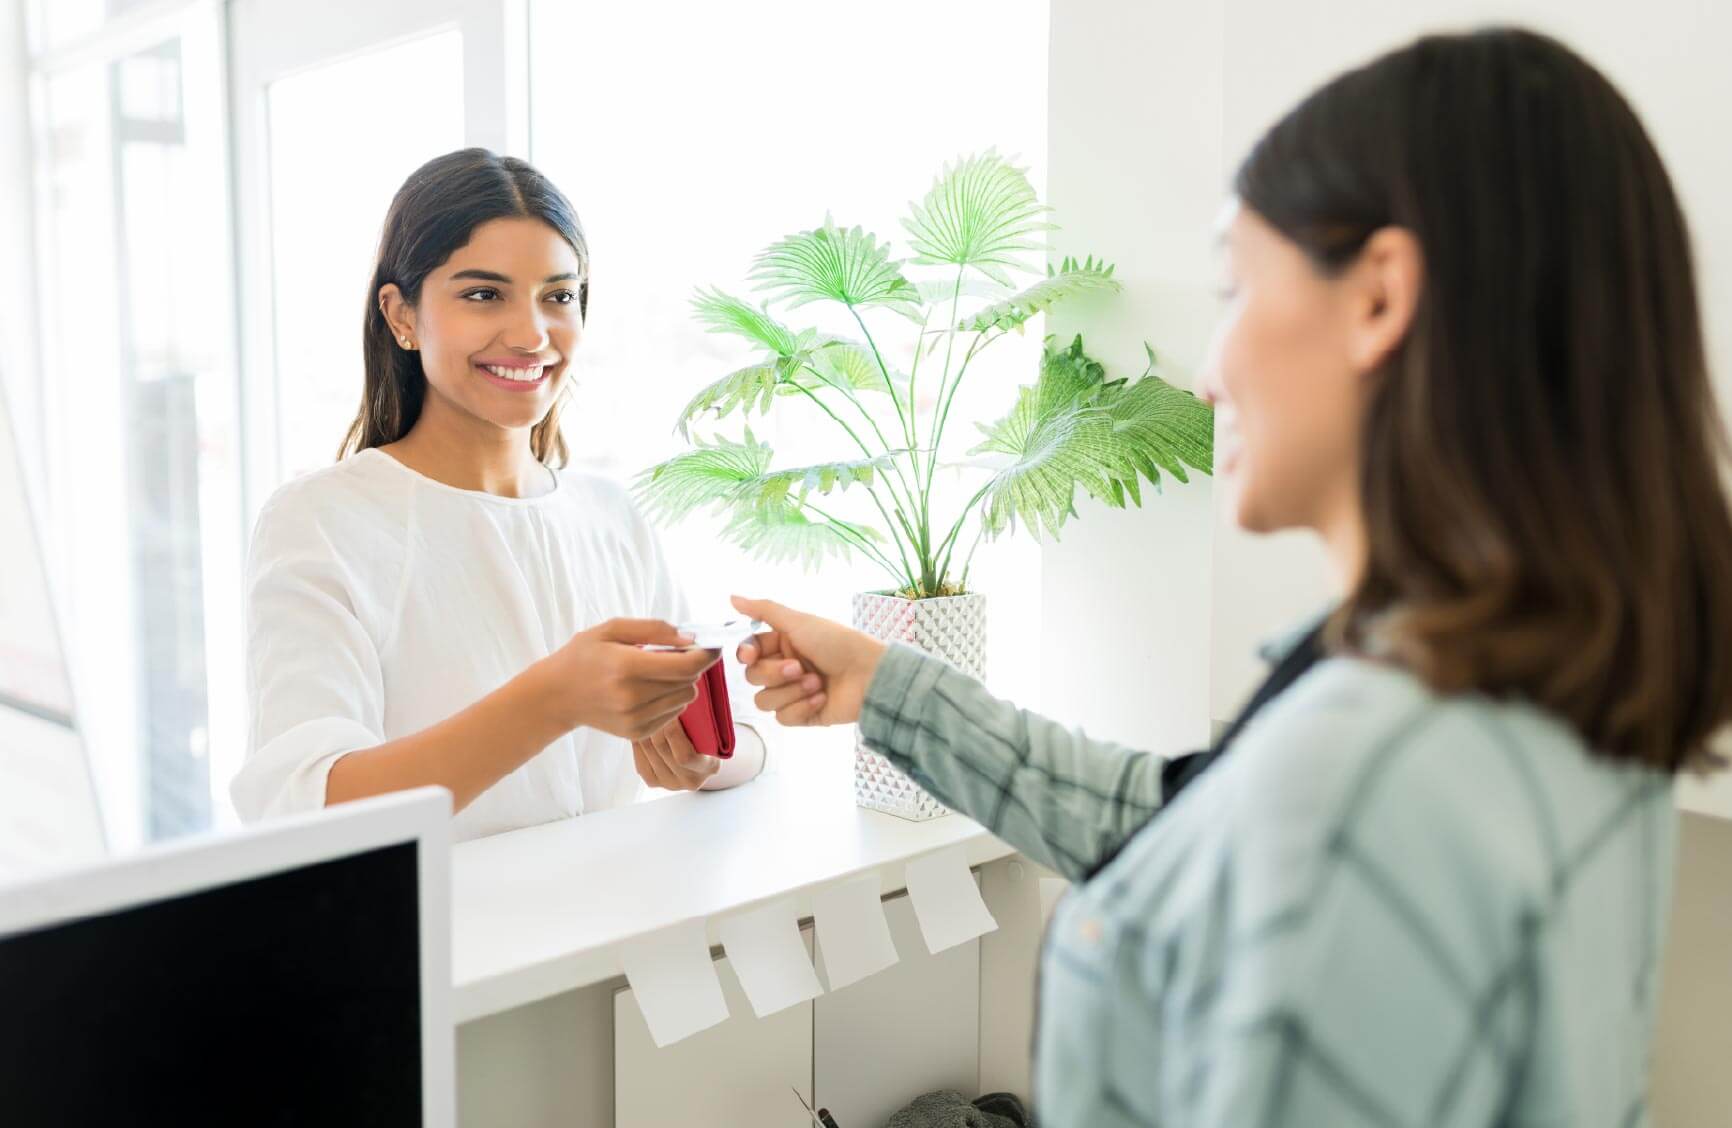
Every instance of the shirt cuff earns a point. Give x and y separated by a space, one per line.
287 775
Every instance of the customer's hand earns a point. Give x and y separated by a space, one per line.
813 671
603 679
667 759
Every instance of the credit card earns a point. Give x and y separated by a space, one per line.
716 636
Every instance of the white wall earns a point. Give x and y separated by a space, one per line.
1133 160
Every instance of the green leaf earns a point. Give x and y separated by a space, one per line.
781 532
942 289
1052 452
1068 376
846 265
981 212
711 472
1073 429
847 364
750 388
775 486
723 313
1157 426
1067 282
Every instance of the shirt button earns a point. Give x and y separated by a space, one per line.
1090 930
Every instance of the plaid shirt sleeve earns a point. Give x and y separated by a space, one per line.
1057 796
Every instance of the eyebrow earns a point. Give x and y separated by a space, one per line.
495 276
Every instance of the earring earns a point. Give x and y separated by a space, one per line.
404 341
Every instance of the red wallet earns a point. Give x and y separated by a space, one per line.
709 720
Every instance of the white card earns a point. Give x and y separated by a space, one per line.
721 636
674 981
852 931
725 637
768 955
946 901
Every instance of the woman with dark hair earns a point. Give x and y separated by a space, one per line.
446 605
1422 878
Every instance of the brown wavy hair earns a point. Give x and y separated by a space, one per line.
1542 455
432 215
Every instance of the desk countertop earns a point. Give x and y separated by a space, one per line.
546 909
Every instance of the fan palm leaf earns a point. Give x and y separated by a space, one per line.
710 472
1075 430
1067 282
981 212
830 263
778 533
750 388
723 313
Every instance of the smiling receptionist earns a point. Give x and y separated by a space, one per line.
445 606
1423 878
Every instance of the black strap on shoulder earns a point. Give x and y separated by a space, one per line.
1180 772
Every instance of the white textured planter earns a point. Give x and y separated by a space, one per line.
953 629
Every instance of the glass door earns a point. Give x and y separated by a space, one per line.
141 462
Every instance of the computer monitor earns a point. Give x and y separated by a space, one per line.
298 973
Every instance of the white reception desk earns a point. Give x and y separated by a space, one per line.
548 1033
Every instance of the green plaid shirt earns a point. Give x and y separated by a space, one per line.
1384 907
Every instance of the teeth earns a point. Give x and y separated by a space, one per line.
520 375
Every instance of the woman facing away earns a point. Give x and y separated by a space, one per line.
1423 878
445 605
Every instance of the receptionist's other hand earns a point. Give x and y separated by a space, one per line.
667 759
813 671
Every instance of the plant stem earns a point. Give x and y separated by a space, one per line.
941 416
937 428
913 397
949 351
867 451
922 545
848 394
968 561
849 531
975 349
948 544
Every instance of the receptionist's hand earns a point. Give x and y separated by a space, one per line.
813 671
604 679
667 759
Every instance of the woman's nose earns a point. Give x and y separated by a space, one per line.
528 331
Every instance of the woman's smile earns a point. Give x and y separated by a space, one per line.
518 375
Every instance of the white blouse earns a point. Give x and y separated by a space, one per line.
381 602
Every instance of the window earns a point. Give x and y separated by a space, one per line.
332 175
687 153
143 506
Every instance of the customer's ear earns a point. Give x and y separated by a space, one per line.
1384 286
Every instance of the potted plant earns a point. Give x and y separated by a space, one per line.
1072 428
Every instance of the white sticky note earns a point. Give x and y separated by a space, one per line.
946 901
852 930
674 981
768 955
